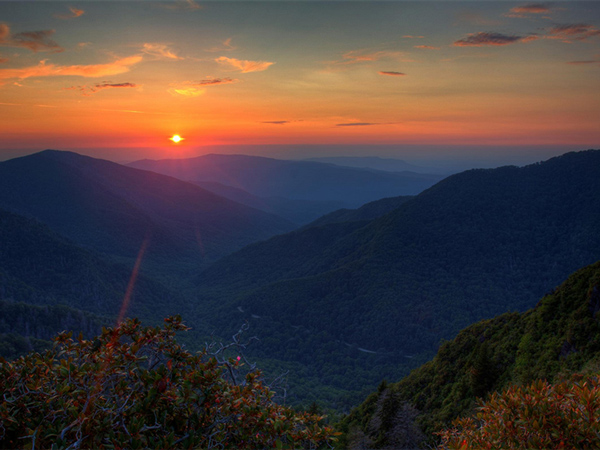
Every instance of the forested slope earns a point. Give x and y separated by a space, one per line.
558 337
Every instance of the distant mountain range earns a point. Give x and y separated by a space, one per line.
296 180
475 245
343 302
113 209
373 162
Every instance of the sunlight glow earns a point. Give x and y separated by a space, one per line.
176 138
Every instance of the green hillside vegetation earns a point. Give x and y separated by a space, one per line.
375 300
25 328
557 338
136 387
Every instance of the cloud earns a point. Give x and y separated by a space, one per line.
3 60
410 36
159 51
87 90
244 66
525 11
214 81
393 74
90 71
573 32
196 88
189 92
73 14
361 56
427 47
495 39
36 41
277 122
226 46
355 124
183 5
577 63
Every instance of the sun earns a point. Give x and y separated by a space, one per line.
176 138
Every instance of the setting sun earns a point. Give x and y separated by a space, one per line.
176 138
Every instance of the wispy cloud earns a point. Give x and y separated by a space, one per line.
277 122
74 13
213 81
91 70
356 124
3 60
192 89
362 56
527 10
226 46
189 92
427 47
577 63
494 39
182 4
573 32
159 51
392 74
244 66
88 90
410 36
36 41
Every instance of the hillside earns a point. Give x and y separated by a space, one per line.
475 245
367 212
297 180
560 336
37 266
114 209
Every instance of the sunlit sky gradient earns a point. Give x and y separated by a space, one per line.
117 79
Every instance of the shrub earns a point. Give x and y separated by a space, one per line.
136 387
537 416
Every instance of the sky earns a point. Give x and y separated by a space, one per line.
116 79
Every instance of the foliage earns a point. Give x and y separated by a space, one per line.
136 387
559 337
537 416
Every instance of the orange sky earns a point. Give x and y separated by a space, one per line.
127 75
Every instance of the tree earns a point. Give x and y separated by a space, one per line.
136 387
537 416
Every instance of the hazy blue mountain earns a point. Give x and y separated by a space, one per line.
373 162
299 180
297 211
475 245
114 209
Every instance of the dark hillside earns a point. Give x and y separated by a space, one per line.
113 209
473 246
560 336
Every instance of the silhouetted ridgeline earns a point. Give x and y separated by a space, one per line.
114 209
